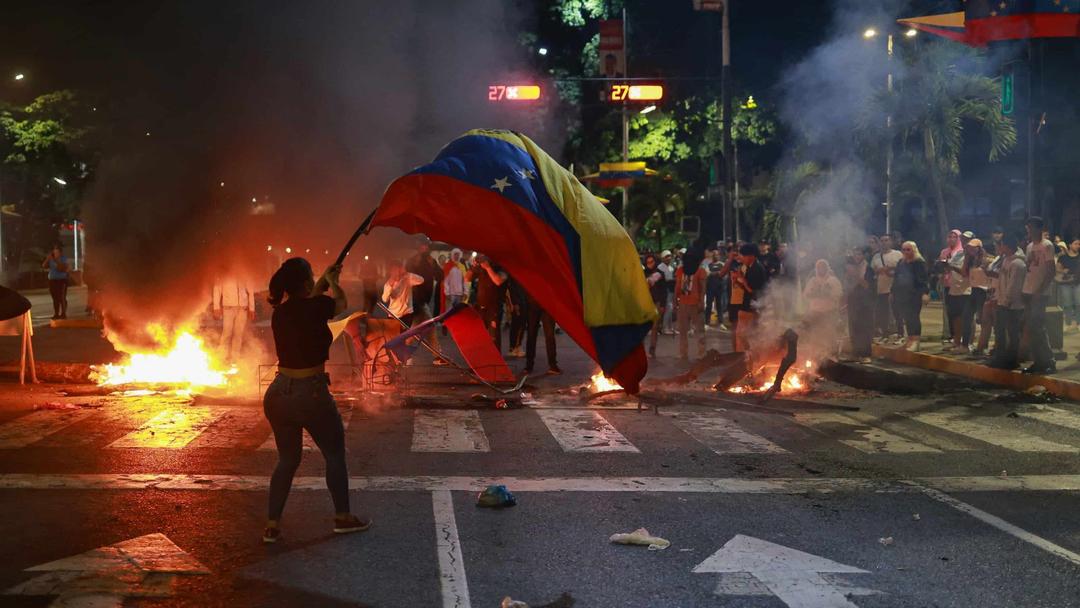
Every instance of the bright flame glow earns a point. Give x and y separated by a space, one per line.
180 360
602 384
795 381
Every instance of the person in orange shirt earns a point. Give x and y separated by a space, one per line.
689 295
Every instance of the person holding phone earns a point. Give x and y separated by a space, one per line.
57 264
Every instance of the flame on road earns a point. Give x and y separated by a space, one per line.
602 384
796 381
180 359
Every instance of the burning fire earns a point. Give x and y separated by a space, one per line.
180 360
795 381
602 384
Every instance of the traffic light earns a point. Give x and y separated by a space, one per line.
635 92
513 92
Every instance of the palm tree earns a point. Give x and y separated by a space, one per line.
940 92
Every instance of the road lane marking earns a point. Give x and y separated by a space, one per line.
707 485
448 431
35 426
171 429
793 576
862 435
309 443
235 428
721 435
966 422
584 431
453 586
145 566
1004 526
1053 415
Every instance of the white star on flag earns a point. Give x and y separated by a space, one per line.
526 173
501 184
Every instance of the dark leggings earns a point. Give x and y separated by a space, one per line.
58 291
293 405
908 307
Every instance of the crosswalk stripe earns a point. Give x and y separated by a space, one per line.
172 429
722 435
863 436
309 443
961 422
448 431
35 426
235 428
584 431
1055 416
109 424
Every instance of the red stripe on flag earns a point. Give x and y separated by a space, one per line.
1018 27
450 210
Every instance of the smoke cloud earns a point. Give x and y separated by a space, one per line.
309 108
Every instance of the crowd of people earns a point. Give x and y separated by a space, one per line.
994 294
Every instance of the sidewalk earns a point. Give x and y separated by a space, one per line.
1064 383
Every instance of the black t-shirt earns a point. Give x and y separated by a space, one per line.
428 268
301 335
489 296
714 283
1072 268
657 290
756 277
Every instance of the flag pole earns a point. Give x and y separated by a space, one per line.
356 235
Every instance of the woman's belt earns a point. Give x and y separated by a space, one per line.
302 373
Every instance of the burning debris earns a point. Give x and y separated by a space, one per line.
179 360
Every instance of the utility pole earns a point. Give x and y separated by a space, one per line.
889 145
625 124
725 96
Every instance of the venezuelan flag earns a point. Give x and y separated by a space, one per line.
497 192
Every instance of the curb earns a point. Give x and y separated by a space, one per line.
1067 389
76 323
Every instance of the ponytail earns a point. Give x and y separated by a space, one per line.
291 279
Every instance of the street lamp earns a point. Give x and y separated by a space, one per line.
542 51
647 109
20 76
911 33
869 33
60 181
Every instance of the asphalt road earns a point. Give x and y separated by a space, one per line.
962 499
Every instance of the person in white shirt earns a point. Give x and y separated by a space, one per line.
454 284
956 302
233 302
397 292
667 267
884 265
1040 277
975 262
1009 307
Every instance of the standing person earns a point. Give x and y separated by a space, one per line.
752 280
454 280
299 397
823 293
1008 314
952 245
1037 285
397 292
490 287
519 316
714 288
993 266
884 265
975 262
860 285
57 264
234 304
737 295
788 279
667 266
536 316
910 291
658 291
689 294
1068 283
996 236
956 302
423 295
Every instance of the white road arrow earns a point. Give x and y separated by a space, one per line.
145 566
791 575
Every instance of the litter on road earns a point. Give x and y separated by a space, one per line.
642 537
